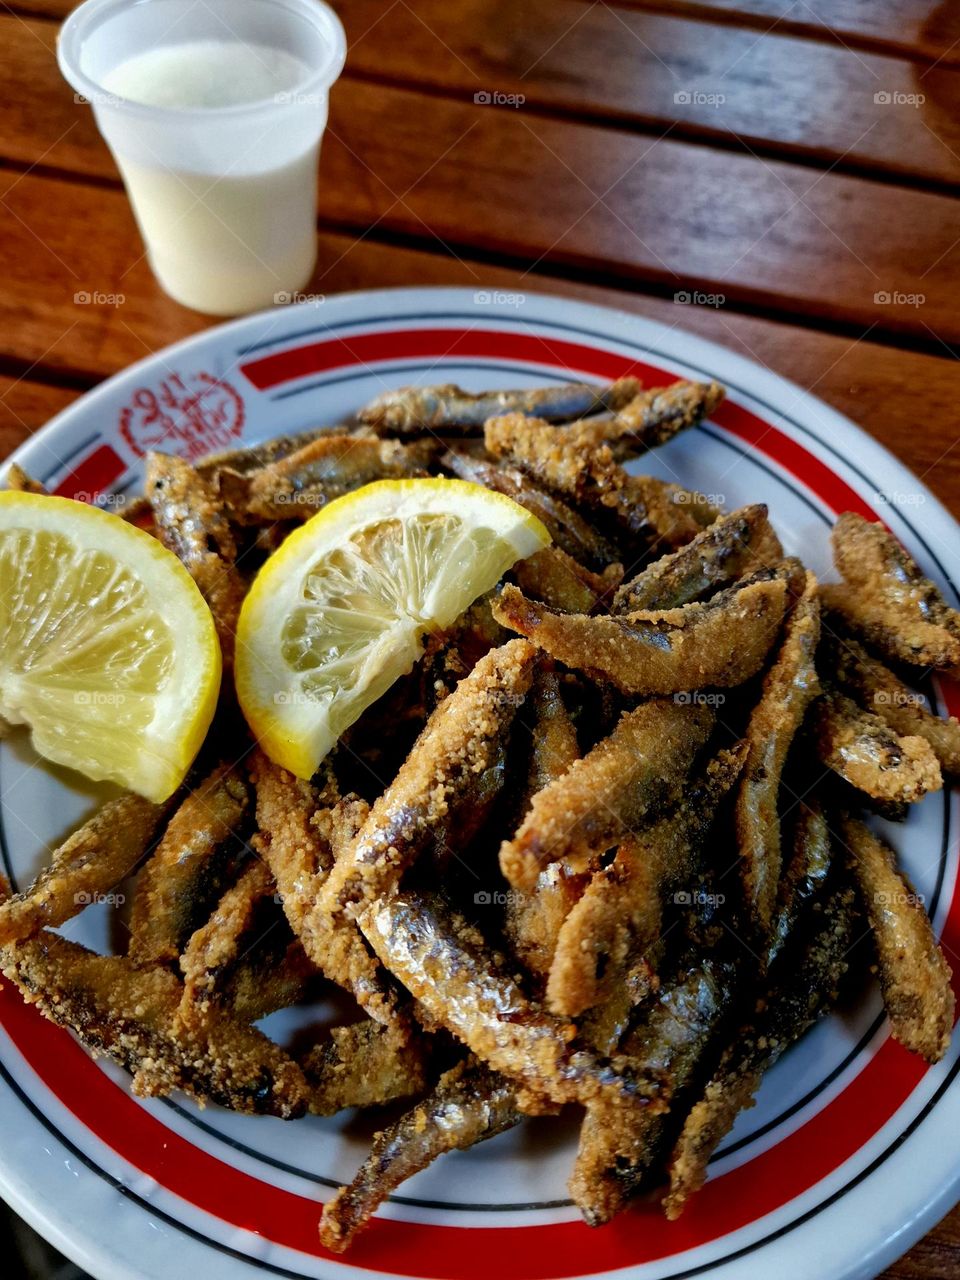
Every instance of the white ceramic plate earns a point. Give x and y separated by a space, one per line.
850 1153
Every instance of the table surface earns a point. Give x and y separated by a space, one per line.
800 159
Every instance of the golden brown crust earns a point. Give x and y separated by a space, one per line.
867 753
174 880
88 865
914 975
557 580
788 689
362 1065
640 767
721 643
132 1015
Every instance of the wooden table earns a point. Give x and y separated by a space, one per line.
800 158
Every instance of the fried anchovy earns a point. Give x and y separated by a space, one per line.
804 876
557 580
176 879
648 512
618 917
264 981
255 456
361 1065
789 687
867 753
88 865
804 985
887 601
672 1039
650 419
190 521
215 947
640 768
131 1015
732 547
469 1104
722 643
446 785
447 966
296 830
18 481
296 486
533 919
568 529
914 974
877 689
448 408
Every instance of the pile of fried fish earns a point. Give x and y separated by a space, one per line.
603 846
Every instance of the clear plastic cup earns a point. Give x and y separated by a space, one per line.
225 196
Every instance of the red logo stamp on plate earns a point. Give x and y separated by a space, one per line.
191 415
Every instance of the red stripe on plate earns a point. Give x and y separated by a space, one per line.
96 472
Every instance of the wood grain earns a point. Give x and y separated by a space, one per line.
25 406
761 233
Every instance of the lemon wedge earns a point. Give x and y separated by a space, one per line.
107 649
340 611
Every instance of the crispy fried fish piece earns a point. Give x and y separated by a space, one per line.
253 457
215 947
557 580
257 987
651 418
131 1015
867 753
297 831
568 529
449 409
671 1038
174 881
618 917
804 876
89 863
361 1065
446 785
877 689
299 484
722 643
642 766
189 520
18 481
887 601
789 687
469 1104
445 963
732 547
533 920
805 983
643 509
914 974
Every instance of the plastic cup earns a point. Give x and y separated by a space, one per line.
225 196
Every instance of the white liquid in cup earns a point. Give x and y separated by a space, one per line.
223 242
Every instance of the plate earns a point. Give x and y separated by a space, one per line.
848 1156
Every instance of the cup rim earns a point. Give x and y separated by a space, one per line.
91 13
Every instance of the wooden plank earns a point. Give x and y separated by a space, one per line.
926 29
25 406
780 94
823 102
763 233
95 252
